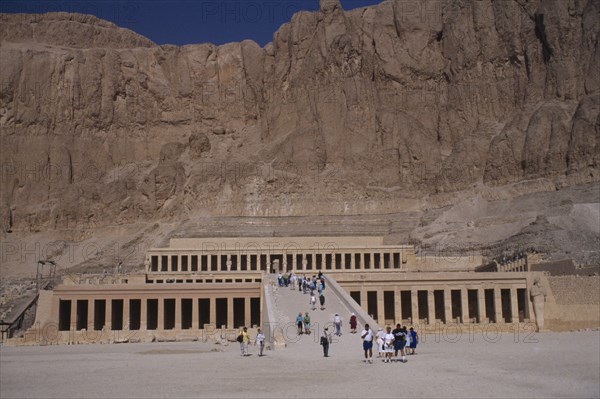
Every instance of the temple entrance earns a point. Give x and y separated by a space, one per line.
277 264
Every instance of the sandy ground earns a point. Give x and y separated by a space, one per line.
557 365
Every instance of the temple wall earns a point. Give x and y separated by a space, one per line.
446 262
572 302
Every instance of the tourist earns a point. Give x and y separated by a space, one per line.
337 322
313 301
399 340
244 341
280 279
407 346
260 342
286 280
306 322
322 301
414 340
304 285
320 288
299 284
367 337
402 336
388 343
379 339
299 322
292 281
353 323
325 341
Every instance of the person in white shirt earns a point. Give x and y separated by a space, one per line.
379 339
388 344
367 337
337 322
260 342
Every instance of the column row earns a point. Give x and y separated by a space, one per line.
461 305
277 262
158 313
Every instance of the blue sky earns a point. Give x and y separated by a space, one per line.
187 21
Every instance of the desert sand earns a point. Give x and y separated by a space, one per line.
557 365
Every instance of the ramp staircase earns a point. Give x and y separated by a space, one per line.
285 303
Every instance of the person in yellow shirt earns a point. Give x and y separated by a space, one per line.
244 340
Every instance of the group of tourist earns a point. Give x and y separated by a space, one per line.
303 323
390 343
244 339
309 285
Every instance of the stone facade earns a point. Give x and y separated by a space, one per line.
213 286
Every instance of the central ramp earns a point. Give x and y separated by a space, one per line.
287 303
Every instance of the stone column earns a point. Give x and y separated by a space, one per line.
169 263
372 260
364 299
73 321
161 314
178 313
90 315
481 304
295 263
414 303
514 305
380 307
108 319
430 307
397 306
213 312
230 313
219 262
362 261
247 319
498 305
125 314
447 305
352 261
464 305
144 314
208 263
195 319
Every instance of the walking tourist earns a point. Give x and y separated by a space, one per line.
367 337
306 321
244 339
322 301
337 322
400 343
388 343
260 342
325 341
414 340
353 323
299 322
379 340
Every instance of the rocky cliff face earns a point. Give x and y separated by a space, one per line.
387 109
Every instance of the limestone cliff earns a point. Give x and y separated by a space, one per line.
378 110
